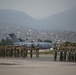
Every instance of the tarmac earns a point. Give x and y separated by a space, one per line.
44 65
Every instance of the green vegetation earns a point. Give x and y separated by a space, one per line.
6 41
49 41
67 42
39 40
46 52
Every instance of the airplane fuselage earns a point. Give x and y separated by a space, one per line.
42 45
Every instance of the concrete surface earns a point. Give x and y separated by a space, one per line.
42 66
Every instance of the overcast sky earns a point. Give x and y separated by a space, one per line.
38 9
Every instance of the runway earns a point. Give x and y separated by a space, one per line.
42 66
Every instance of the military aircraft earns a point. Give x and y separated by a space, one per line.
17 42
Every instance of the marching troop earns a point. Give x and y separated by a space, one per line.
61 53
65 52
18 51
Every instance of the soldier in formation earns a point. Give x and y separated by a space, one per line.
31 50
37 51
66 52
24 49
55 52
18 51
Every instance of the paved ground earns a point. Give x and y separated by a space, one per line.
42 66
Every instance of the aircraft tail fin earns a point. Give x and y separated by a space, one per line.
14 38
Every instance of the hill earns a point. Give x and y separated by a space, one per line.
16 17
62 21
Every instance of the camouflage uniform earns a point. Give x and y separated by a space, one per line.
74 52
65 53
31 49
0 51
69 52
24 51
55 52
37 51
61 53
17 51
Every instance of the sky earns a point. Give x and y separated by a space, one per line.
38 9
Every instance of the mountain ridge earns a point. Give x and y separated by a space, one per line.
61 21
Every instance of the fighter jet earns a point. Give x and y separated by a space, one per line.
17 42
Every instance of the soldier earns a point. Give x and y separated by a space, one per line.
31 50
7 51
75 53
72 55
14 51
61 55
55 52
3 51
11 51
69 55
24 51
69 52
21 50
65 52
0 51
17 49
55 55
75 56
37 51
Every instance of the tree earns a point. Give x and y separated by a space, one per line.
6 41
49 41
67 42
39 40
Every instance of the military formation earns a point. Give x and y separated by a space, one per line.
19 51
65 52
61 53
